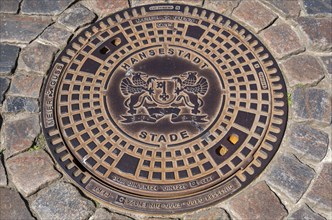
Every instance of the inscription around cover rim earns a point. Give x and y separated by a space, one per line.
164 108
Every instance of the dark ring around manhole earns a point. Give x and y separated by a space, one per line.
164 108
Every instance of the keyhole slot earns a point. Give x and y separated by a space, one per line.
104 50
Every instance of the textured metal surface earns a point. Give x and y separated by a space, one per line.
164 108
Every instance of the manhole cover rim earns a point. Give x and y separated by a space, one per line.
78 180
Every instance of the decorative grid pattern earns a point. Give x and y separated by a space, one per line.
90 135
235 62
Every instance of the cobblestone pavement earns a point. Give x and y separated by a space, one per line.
296 185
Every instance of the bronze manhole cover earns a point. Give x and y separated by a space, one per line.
164 108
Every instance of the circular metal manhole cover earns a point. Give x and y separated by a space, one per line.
164 108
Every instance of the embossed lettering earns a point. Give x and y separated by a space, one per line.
162 137
143 135
184 134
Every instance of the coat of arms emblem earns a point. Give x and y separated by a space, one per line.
148 98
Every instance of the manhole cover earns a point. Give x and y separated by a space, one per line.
164 108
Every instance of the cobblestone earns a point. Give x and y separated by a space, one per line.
12 206
317 6
56 36
282 39
9 6
318 31
290 177
29 179
135 3
18 134
103 214
59 200
210 214
160 218
105 7
23 29
309 143
36 57
303 69
327 61
305 213
254 14
320 193
44 7
221 6
252 204
312 104
26 85
8 57
76 17
289 8
16 104
3 177
4 84
188 2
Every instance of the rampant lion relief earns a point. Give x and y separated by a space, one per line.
178 96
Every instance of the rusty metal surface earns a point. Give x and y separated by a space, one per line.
164 108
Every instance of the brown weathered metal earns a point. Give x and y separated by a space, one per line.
164 108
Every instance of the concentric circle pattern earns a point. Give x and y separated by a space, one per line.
164 108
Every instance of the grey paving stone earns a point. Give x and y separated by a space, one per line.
317 6
256 202
290 8
303 69
160 218
9 6
327 60
282 39
36 57
8 57
320 193
22 29
3 176
254 14
188 2
44 7
146 2
318 31
4 84
305 213
56 36
76 16
209 214
312 104
18 134
135 3
31 171
59 200
221 6
12 206
16 104
103 214
105 7
309 142
290 177
27 85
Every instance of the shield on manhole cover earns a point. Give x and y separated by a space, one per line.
164 108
